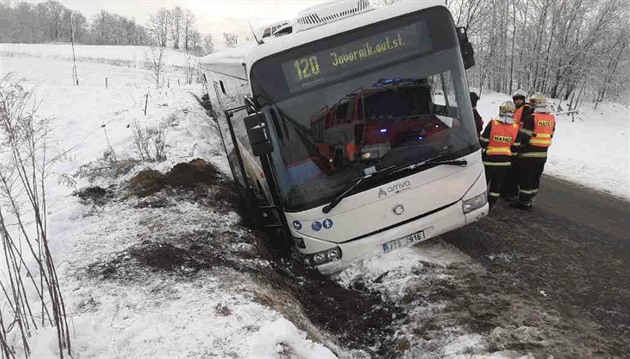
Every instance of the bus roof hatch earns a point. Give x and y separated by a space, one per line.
330 12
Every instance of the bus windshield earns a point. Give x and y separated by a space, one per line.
341 109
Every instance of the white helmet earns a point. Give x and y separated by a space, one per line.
507 108
519 93
538 99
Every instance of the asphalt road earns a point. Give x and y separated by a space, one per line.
571 254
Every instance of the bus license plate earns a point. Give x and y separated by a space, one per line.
403 242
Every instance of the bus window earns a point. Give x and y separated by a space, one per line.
404 105
398 102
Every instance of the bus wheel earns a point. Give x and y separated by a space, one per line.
249 210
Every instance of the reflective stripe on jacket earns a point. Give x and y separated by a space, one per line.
502 137
544 124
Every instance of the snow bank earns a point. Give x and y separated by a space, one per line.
405 278
281 339
593 150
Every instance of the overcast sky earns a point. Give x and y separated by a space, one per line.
213 16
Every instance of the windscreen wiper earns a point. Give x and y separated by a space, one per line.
389 171
351 188
429 164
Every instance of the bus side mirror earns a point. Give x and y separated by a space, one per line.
257 134
468 53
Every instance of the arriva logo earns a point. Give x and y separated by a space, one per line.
395 188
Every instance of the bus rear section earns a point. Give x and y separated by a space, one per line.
370 143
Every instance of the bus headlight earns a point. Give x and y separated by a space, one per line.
319 258
474 203
333 254
323 257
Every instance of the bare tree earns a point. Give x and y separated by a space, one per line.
50 21
101 27
54 12
567 49
192 67
159 25
195 42
189 27
230 39
177 24
208 44
79 26
154 60
24 168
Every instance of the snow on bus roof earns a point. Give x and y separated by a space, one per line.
234 55
250 52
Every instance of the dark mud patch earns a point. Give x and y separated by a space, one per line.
94 195
196 181
167 257
182 176
182 255
357 319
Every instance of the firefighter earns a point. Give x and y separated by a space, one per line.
478 120
499 141
523 109
537 130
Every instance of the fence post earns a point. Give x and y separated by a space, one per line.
146 102
106 84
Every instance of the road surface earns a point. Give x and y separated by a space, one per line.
571 255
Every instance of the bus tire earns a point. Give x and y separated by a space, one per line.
252 217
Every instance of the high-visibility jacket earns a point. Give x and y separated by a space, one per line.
502 137
499 141
544 124
518 114
537 130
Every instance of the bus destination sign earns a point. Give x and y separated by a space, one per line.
355 56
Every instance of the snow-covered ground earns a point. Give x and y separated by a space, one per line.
130 56
145 310
592 148
176 274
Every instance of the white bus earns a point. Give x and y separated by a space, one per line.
354 134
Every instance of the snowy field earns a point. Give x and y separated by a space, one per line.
175 273
143 313
130 56
593 150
